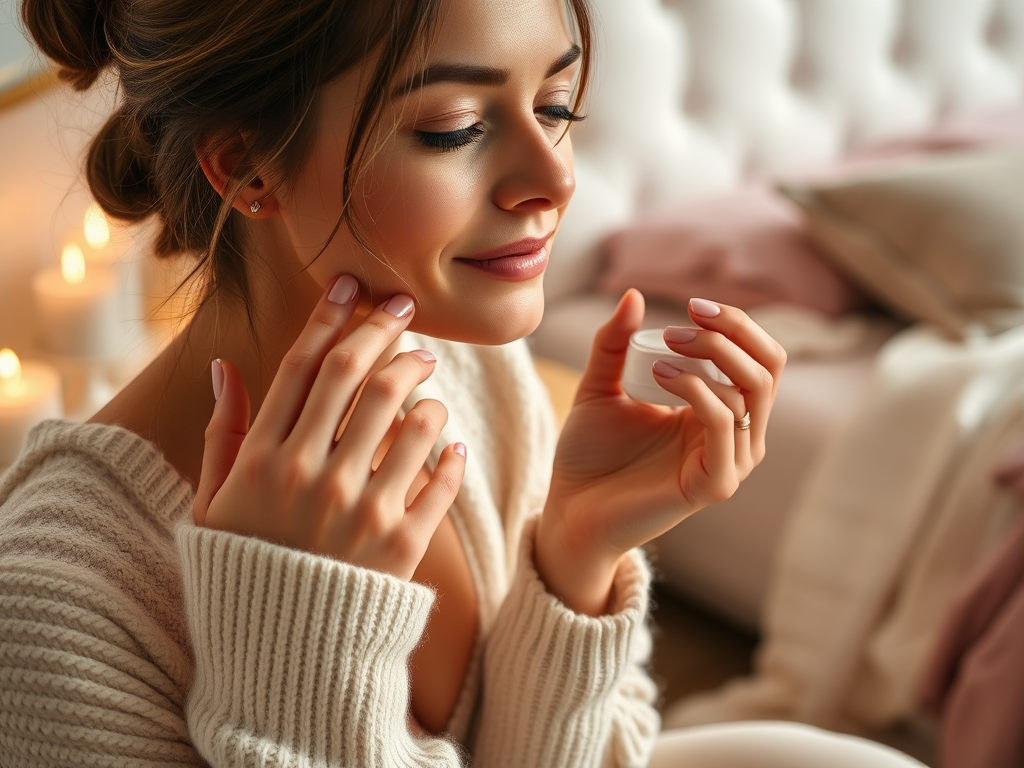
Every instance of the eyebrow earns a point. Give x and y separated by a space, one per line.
474 75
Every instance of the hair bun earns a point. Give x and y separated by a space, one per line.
118 168
71 32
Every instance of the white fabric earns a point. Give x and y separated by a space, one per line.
807 334
898 509
771 745
130 636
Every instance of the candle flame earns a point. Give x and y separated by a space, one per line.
97 230
10 365
72 264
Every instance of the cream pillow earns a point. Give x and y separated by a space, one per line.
940 240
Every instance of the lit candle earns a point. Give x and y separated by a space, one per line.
97 230
97 236
112 247
29 393
79 307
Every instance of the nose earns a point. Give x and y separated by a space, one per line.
536 175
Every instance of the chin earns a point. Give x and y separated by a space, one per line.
513 323
502 326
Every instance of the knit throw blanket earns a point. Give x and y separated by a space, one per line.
899 508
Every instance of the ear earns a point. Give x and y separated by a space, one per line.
220 158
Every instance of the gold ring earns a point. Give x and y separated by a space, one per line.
743 423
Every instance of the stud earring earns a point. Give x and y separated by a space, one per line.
255 207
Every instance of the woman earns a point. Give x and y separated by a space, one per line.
306 568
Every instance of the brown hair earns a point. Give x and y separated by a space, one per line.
189 71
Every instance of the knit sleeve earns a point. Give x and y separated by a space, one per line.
300 659
565 689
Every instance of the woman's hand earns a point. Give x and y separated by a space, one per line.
626 471
287 480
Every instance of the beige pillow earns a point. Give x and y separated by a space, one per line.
940 240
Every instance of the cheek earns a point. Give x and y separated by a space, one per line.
410 209
414 210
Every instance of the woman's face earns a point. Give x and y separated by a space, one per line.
469 177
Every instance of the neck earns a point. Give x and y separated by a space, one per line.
222 329
171 402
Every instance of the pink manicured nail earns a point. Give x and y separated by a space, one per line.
423 355
705 308
460 449
680 334
217 372
664 369
399 306
344 290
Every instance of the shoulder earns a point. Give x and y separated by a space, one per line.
90 582
62 458
96 497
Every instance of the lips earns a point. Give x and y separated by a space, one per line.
524 247
516 262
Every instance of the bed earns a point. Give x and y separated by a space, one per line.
695 99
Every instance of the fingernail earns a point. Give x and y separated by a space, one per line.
460 449
344 290
664 369
399 306
680 334
423 355
217 372
705 308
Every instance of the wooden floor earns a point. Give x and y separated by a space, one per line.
693 649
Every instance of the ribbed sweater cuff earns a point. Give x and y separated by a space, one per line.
295 652
551 674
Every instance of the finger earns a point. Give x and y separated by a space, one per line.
411 448
755 384
224 435
343 370
744 457
603 374
437 496
300 365
374 414
719 427
736 326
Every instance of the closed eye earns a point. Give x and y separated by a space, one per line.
559 114
448 141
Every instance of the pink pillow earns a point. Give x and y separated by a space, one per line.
745 248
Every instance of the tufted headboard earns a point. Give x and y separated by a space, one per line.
692 96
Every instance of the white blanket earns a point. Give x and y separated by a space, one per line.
900 506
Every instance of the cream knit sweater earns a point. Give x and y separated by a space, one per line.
130 637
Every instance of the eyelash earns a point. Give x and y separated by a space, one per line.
449 141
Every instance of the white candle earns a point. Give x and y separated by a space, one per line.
79 308
29 393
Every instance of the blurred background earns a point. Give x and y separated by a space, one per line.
849 172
